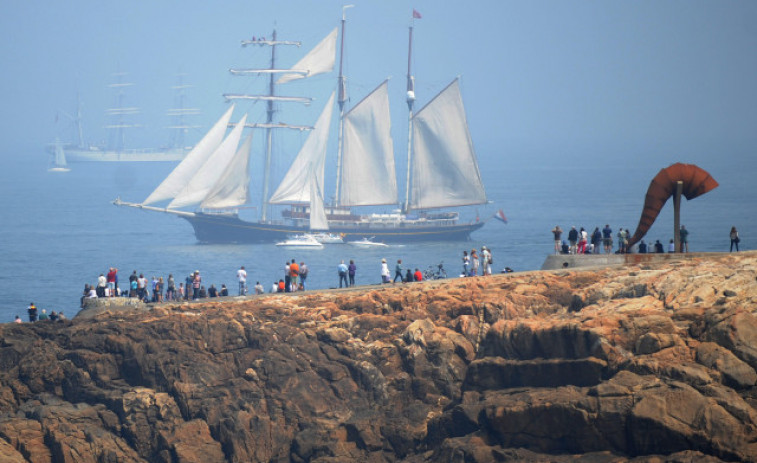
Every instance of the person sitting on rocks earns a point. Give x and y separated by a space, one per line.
658 247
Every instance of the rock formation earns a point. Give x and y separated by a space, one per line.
647 362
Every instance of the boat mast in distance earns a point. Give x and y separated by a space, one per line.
178 126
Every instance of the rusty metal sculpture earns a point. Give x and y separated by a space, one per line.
695 182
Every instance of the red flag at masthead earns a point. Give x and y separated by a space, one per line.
416 15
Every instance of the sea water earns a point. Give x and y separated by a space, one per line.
60 230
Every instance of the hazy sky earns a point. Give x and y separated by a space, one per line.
547 77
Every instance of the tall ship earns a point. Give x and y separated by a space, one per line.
120 119
442 170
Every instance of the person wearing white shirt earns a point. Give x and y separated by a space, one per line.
242 276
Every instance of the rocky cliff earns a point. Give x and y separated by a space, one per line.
647 362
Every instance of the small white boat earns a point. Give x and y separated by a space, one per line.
301 241
366 242
327 238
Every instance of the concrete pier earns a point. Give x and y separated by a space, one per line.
570 261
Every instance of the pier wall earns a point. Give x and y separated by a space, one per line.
559 261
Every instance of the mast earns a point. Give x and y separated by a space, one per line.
268 135
79 132
179 127
342 98
312 64
117 113
270 98
410 103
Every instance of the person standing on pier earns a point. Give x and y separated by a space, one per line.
303 274
734 239
342 271
557 233
294 273
242 277
398 272
607 238
474 263
486 257
683 236
196 281
573 239
352 270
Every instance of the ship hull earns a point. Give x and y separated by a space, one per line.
210 228
79 155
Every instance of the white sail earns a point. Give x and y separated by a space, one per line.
318 220
444 168
320 59
233 188
60 156
180 176
310 161
368 176
208 174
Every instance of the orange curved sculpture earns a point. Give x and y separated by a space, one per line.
696 182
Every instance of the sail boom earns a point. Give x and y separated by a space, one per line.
301 128
183 111
270 42
117 111
242 72
289 99
123 126
118 202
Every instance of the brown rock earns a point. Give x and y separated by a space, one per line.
653 363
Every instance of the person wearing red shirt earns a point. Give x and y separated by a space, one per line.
418 275
112 281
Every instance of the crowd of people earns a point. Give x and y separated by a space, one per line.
472 263
583 242
156 289
36 315
294 278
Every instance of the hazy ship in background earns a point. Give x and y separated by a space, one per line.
120 119
442 167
